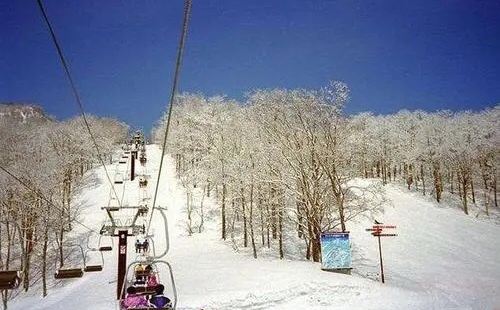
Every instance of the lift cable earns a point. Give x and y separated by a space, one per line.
75 91
39 194
180 50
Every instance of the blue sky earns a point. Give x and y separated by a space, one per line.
439 54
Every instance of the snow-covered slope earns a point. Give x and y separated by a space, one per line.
441 259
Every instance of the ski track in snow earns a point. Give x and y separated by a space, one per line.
441 259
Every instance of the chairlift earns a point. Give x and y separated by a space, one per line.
143 182
118 178
143 210
11 279
148 291
71 273
95 267
104 248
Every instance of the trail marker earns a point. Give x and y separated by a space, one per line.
377 231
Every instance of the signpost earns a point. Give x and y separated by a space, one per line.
336 252
377 231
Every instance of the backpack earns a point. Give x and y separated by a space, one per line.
160 301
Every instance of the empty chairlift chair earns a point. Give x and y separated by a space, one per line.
70 273
93 267
105 247
118 178
10 279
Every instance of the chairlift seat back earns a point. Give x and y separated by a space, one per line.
93 268
68 273
9 280
105 248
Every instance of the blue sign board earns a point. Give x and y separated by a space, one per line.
335 250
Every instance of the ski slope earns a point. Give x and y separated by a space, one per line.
441 259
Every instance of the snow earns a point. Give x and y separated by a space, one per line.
441 258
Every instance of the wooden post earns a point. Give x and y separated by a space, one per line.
381 262
376 231
132 166
122 261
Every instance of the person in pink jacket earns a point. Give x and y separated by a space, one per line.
133 300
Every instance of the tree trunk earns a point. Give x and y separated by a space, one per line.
464 192
274 227
280 226
250 223
423 178
268 226
44 260
438 183
243 207
261 210
472 189
495 189
223 211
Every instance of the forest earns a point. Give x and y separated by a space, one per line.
37 214
289 162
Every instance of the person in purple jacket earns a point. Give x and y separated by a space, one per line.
133 300
160 301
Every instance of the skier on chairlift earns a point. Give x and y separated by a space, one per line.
159 300
133 300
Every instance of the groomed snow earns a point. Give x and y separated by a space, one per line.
441 259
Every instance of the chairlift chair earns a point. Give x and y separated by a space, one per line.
104 248
143 210
119 178
95 267
144 290
11 279
143 182
71 273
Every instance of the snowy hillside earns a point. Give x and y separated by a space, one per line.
440 259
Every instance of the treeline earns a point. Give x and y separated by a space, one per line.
289 162
50 158
435 153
